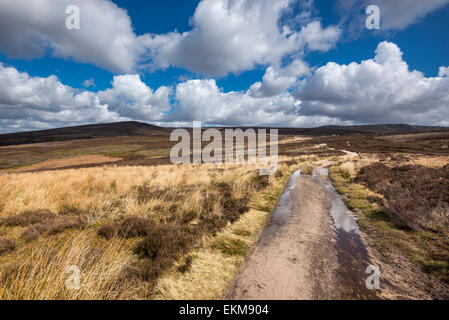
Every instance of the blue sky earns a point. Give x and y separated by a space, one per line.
181 69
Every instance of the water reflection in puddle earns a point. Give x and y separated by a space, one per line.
343 219
284 209
352 254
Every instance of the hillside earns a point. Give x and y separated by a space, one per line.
117 129
134 128
377 129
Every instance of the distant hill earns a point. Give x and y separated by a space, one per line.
377 128
117 129
134 128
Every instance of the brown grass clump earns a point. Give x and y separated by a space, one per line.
7 245
40 221
161 248
212 206
417 196
130 227
66 223
26 218
307 169
183 268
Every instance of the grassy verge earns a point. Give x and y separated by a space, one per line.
429 250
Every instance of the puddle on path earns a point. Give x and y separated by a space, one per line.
284 209
353 256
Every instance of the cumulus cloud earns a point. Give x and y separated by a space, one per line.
132 98
33 102
236 35
204 100
277 80
379 90
395 14
226 36
105 38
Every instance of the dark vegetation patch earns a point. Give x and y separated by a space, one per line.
43 221
130 227
261 182
417 196
429 144
423 242
183 268
6 246
163 247
27 218
66 223
165 242
70 210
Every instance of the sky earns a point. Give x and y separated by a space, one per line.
284 63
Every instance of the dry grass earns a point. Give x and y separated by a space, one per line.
66 162
214 265
426 161
6 246
134 232
348 169
107 191
39 272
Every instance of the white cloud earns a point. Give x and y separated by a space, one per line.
226 36
33 102
401 14
132 98
379 90
316 38
277 80
89 83
236 35
395 14
444 72
105 38
203 100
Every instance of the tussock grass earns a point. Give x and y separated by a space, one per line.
134 232
39 272
6 246
348 169
106 191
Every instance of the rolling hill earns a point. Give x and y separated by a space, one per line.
134 128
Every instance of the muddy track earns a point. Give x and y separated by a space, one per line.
308 251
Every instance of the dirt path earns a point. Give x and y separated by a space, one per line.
300 255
